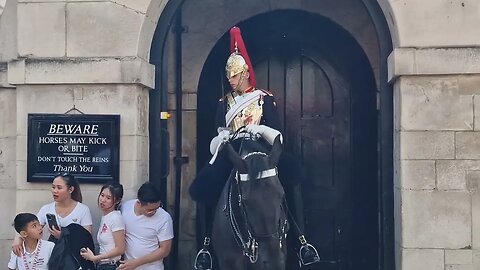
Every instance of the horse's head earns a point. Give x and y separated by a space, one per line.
261 199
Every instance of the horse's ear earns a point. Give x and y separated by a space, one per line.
239 163
276 152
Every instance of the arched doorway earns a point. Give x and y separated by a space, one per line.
325 75
325 93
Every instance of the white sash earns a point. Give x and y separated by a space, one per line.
242 103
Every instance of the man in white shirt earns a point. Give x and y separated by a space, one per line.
148 231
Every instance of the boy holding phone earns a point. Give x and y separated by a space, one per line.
36 252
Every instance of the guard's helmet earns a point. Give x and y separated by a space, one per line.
238 61
235 64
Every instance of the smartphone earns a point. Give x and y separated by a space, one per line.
52 221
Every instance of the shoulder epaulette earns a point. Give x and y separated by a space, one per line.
266 92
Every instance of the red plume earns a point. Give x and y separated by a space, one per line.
236 36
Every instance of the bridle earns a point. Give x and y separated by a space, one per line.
242 229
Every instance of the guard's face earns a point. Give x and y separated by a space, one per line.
234 80
239 82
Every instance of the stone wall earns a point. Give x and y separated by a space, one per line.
8 126
56 55
437 157
435 70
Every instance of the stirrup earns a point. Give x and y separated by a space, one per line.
312 258
203 260
307 254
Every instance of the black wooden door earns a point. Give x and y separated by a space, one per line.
325 94
314 105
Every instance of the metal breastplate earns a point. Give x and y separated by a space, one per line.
252 114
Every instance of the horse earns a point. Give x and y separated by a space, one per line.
250 220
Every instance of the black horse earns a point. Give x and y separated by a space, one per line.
250 223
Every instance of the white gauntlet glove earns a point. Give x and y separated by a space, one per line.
268 133
222 137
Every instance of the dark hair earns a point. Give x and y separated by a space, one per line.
21 221
117 193
70 181
148 193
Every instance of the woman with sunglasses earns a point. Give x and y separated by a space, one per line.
67 208
111 233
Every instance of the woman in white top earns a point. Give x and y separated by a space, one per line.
67 207
111 233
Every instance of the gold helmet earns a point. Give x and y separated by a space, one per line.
235 64
238 61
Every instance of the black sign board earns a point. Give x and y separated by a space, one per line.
85 145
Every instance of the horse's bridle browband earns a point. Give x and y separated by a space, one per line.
263 174
253 154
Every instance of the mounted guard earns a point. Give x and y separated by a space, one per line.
254 108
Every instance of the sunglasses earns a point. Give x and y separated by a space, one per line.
63 174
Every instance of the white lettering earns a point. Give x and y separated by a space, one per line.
77 140
79 148
44 159
52 129
84 168
73 129
100 159
97 140
52 140
95 129
60 168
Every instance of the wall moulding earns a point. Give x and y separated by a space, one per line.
126 70
433 61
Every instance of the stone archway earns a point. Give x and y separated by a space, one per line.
193 55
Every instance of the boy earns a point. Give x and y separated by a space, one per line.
36 251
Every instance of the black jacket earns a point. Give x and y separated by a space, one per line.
66 253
